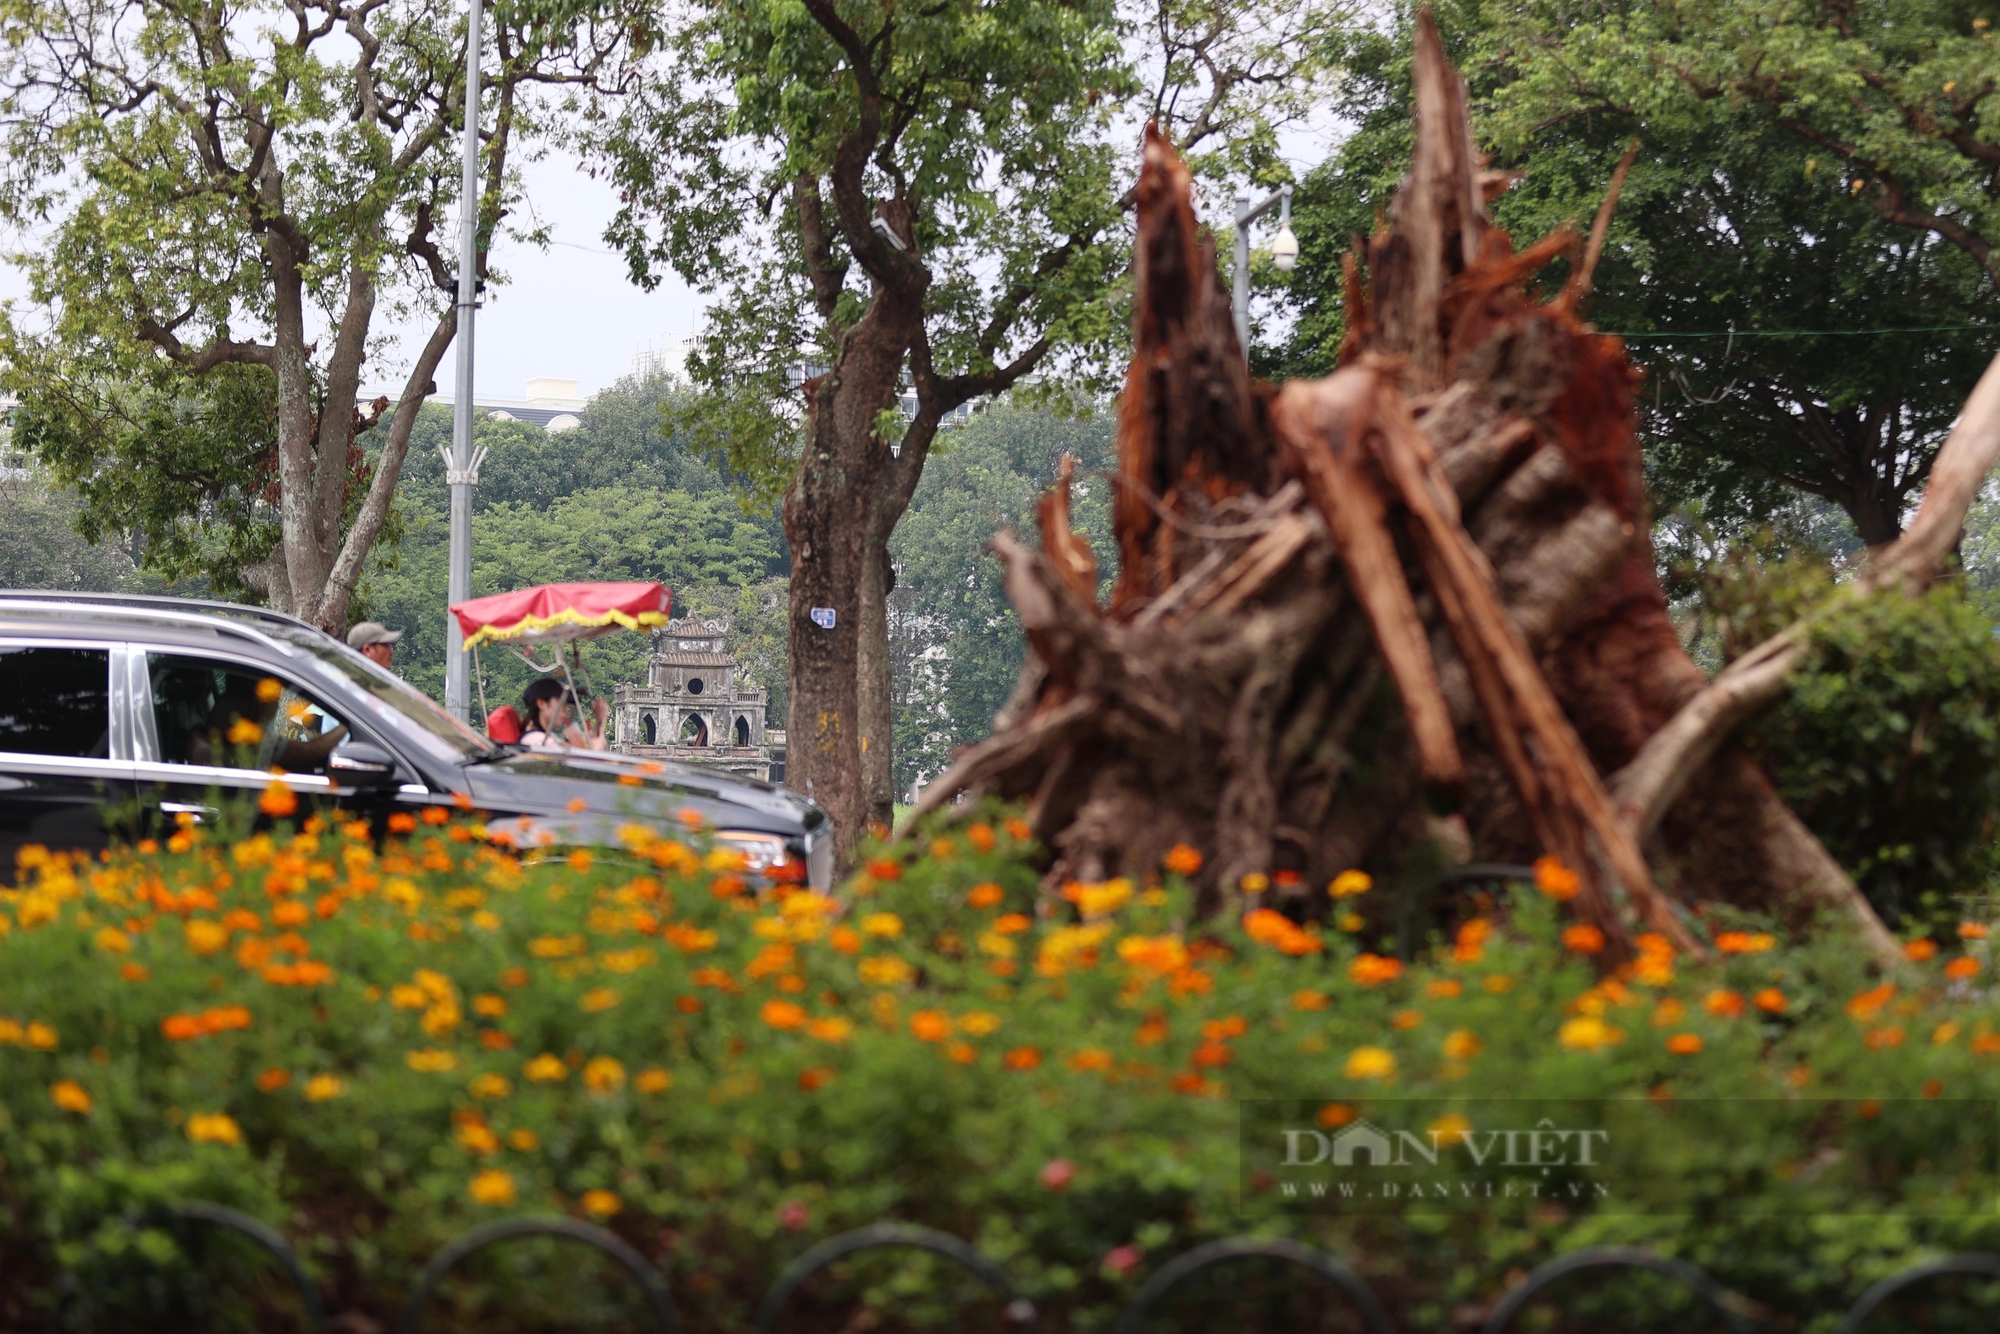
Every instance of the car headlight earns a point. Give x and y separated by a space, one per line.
761 852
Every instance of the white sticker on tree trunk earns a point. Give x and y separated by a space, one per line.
823 617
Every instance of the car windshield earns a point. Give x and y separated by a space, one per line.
392 699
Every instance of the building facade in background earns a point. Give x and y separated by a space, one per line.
695 707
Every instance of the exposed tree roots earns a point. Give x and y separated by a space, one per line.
1413 601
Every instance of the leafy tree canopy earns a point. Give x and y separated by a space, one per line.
1742 264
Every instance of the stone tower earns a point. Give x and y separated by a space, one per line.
695 707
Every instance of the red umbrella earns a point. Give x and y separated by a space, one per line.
561 613
555 613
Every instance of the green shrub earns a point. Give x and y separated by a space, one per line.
375 1049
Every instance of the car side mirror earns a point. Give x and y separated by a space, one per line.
363 766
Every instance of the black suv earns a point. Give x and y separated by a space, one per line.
158 706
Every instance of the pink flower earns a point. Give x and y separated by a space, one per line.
1123 1259
1057 1173
793 1215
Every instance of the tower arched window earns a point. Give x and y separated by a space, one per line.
742 730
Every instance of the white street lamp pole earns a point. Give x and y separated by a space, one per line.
1284 253
461 464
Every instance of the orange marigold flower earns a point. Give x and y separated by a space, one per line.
603 1074
71 1096
981 837
1587 1032
1090 1059
1744 942
321 1088
1309 1000
402 822
288 913
1461 1045
1555 879
1182 859
1880 1039
962 1052
1771 1000
181 1027
1470 943
1986 1044
1335 1115
1018 829
278 801
1349 883
1021 1058
600 1203
1583 938
1213 1054
548 1068
654 1080
1370 970
134 972
1869 1003
1961 968
1012 924
986 895
1404 1020
1972 931
783 1014
818 1077
273 1079
493 1187
1920 951
515 978
1219 1030
1444 988
214 1128
1723 1004
931 1025
885 868
1684 1044
1151 1032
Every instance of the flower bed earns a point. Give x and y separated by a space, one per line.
374 1049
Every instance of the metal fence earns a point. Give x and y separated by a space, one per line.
1734 1311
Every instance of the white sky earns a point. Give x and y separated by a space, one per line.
567 311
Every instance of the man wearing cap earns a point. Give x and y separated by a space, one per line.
374 641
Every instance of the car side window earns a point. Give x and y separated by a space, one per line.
56 701
231 716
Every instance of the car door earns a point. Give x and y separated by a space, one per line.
65 755
214 727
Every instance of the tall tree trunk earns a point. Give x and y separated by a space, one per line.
830 522
873 681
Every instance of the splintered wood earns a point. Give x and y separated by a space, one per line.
1412 602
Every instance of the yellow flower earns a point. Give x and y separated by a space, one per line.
270 690
213 1128
406 997
1449 1129
1556 880
486 920
1349 883
435 985
113 941
321 1088
489 1007
431 1059
883 925
492 1187
491 1086
71 1096
833 1028
885 972
1588 1033
601 1203
205 937
441 1018
598 999
602 1074
978 1023
523 1139
546 1069
1371 1063
41 1037
783 1014
1095 901
654 1080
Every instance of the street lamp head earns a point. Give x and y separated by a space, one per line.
1285 250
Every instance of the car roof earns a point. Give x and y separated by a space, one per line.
193 619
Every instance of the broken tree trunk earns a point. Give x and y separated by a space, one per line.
1415 600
